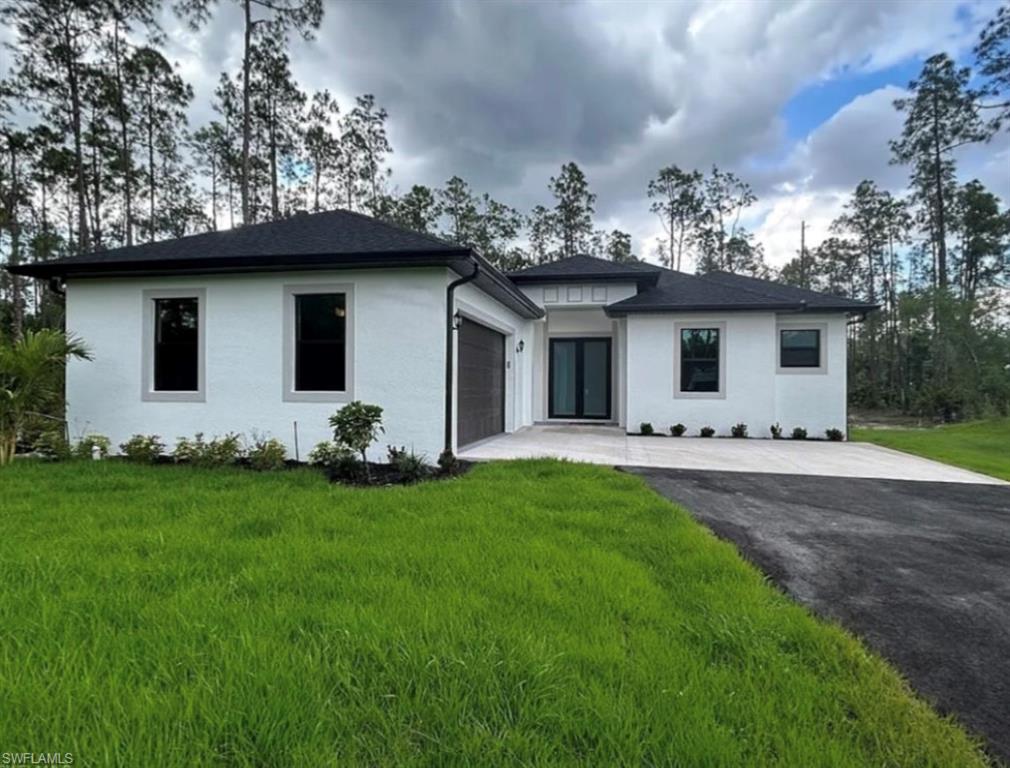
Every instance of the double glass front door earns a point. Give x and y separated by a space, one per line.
579 379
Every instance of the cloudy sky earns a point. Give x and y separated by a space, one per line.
796 97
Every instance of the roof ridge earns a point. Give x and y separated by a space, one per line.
745 289
398 228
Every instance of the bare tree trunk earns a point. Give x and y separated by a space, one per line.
124 138
246 123
150 162
14 226
274 202
213 190
941 242
84 238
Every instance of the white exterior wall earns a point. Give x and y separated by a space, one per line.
398 348
755 392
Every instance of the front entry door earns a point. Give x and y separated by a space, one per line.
579 379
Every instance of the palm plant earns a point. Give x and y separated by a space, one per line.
30 381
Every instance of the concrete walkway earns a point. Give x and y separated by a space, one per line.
611 446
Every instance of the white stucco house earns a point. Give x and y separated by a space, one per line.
270 328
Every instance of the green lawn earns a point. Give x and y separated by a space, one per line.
535 613
980 445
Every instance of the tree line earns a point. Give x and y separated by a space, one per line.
96 152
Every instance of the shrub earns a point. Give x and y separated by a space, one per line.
346 467
216 453
645 428
738 430
267 454
706 432
799 433
411 466
86 445
678 430
144 449
834 434
394 454
356 426
448 462
52 444
776 430
328 454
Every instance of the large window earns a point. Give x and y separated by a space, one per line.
799 348
176 345
320 336
699 360
173 345
318 342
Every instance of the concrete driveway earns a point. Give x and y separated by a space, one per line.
611 446
919 570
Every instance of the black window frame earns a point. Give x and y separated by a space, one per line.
684 358
164 351
299 344
817 349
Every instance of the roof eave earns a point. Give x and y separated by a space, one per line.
616 310
641 279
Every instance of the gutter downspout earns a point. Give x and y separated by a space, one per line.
449 363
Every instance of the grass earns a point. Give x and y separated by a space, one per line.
983 446
535 613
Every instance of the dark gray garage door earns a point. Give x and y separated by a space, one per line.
481 383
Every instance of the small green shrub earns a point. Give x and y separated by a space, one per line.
776 430
645 428
216 453
738 430
448 462
411 466
706 431
394 454
86 445
678 430
52 444
356 426
834 434
327 454
143 449
799 433
267 454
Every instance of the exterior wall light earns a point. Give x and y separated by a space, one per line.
457 321
520 346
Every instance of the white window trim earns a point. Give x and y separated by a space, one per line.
147 392
290 394
795 325
680 394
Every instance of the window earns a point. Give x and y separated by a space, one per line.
800 348
699 360
173 340
176 345
318 342
320 335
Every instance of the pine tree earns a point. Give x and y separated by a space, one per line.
573 211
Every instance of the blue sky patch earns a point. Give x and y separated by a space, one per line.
816 103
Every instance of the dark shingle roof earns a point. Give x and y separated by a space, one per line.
589 268
330 233
664 290
681 292
326 240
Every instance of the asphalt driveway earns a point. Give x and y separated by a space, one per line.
919 570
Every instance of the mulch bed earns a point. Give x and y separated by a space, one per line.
388 475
